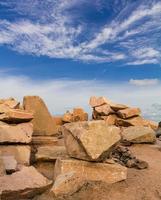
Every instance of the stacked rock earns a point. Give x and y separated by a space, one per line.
88 144
15 135
135 128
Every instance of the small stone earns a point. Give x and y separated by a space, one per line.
97 101
128 113
134 121
10 164
104 110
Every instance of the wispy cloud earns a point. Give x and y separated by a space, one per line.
144 82
49 28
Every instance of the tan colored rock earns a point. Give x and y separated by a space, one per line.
43 123
24 184
10 164
98 101
128 113
20 152
91 171
104 110
44 140
117 107
139 134
90 140
16 116
2 167
135 121
46 169
79 115
67 184
152 124
50 153
58 120
110 120
67 117
4 108
11 103
20 133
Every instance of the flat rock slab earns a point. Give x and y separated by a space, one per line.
98 101
44 140
91 141
43 123
129 112
50 153
10 102
20 152
139 134
21 133
16 116
104 110
134 121
23 184
71 174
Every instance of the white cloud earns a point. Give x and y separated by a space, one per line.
144 82
62 95
54 32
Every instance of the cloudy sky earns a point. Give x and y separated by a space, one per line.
67 50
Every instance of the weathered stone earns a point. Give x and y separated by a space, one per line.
10 164
4 108
2 167
58 120
21 133
46 169
44 140
110 120
16 116
98 101
139 134
50 153
20 152
91 171
79 115
23 184
11 103
104 110
67 184
43 123
90 140
117 107
128 113
152 124
67 117
134 121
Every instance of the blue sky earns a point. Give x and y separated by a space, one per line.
66 51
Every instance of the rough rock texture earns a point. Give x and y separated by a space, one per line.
134 121
43 123
10 164
116 106
138 134
10 102
50 153
110 120
44 140
20 152
89 171
104 110
21 133
97 101
58 120
16 116
2 167
90 140
23 184
128 112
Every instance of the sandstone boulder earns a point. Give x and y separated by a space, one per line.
79 115
16 116
43 123
67 117
44 140
139 134
152 124
50 153
90 140
21 133
21 153
10 164
98 101
85 171
104 110
2 167
11 103
24 184
128 113
58 120
117 107
134 121
110 120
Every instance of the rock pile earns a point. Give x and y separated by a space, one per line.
118 114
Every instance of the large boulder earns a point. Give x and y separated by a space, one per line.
16 116
21 153
110 120
24 184
104 110
134 121
139 134
97 101
43 123
20 133
71 174
10 102
50 153
128 113
90 140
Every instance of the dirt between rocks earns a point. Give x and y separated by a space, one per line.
140 184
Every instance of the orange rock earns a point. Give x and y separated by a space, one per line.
104 110
128 113
134 121
16 116
97 101
117 107
111 119
58 120
79 115
152 124
43 123
11 103
67 117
